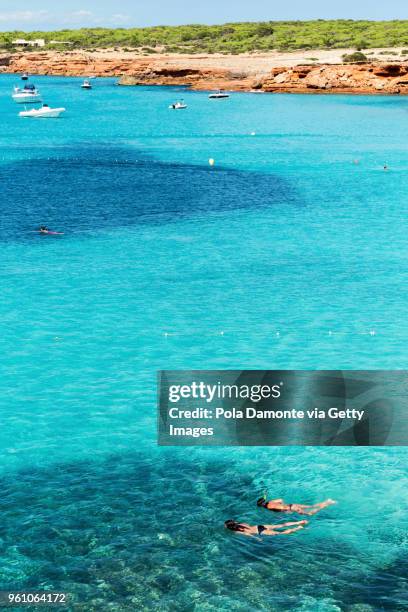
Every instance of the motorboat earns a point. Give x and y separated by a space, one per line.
218 95
26 95
86 84
24 77
180 105
44 112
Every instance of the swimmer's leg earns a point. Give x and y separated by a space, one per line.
285 532
312 509
289 524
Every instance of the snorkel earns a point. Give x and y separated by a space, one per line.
262 500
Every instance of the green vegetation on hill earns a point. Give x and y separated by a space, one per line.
230 37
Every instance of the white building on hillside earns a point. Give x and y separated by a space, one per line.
22 42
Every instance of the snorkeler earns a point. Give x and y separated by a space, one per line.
269 530
43 229
278 505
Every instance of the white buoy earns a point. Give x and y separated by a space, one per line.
211 161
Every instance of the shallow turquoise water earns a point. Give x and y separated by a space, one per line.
286 254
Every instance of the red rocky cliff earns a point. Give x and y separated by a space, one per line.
390 78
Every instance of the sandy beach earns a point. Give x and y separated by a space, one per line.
253 63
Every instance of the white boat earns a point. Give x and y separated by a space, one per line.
44 112
218 95
178 105
86 84
26 95
24 77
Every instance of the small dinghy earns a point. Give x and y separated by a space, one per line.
86 84
218 95
44 112
178 105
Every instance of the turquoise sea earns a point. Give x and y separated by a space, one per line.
291 252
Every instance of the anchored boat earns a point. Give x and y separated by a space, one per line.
178 105
218 95
44 112
26 95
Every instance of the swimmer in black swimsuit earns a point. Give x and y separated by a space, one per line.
278 505
269 530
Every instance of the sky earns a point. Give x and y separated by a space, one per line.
50 15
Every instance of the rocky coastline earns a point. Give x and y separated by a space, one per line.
222 72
